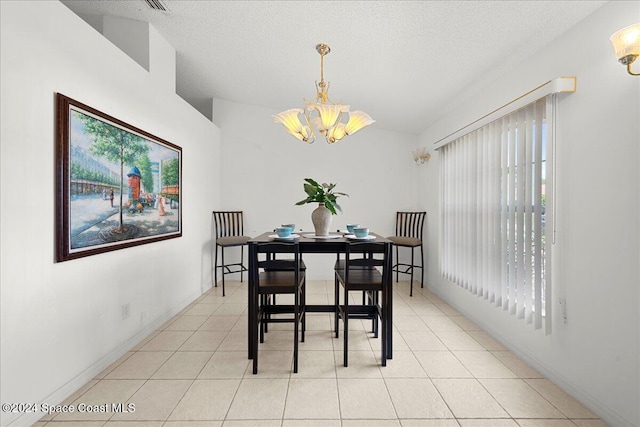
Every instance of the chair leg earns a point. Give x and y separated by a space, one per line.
412 265
345 322
421 267
268 299
397 265
383 357
374 320
223 264
261 320
336 293
255 343
241 259
303 309
296 312
374 302
215 269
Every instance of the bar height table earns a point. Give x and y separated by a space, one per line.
311 245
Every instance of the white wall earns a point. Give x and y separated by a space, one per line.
264 168
596 263
61 322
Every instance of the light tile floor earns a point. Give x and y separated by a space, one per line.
445 372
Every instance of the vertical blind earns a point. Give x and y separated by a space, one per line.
496 184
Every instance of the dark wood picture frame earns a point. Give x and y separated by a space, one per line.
117 186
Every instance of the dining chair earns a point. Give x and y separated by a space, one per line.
278 277
364 269
229 230
409 227
281 264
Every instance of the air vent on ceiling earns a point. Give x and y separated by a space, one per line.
157 5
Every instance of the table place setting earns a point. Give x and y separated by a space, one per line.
285 232
356 232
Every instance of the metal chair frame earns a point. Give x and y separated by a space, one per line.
409 224
228 224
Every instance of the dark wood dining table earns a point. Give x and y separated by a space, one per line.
311 245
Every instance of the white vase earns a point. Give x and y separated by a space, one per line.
321 218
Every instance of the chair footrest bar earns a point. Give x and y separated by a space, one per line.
280 309
279 320
408 269
360 312
229 271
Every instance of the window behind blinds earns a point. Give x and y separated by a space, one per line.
496 183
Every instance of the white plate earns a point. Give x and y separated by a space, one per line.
353 237
289 237
330 236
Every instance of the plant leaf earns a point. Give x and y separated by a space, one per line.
310 190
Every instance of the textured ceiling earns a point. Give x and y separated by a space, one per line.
400 61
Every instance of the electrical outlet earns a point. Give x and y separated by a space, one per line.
563 306
126 310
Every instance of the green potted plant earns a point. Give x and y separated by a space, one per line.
326 197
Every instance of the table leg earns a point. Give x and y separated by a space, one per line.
389 309
252 301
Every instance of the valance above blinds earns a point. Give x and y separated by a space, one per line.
558 85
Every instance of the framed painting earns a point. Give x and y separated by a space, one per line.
116 186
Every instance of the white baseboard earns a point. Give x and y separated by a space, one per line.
59 396
605 413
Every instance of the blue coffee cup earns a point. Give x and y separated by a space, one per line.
361 231
350 227
292 227
283 231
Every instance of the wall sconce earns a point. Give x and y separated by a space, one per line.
626 43
420 155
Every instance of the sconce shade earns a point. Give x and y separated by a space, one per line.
626 44
420 155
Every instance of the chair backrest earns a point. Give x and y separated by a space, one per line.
365 255
410 224
361 254
228 223
278 247
269 263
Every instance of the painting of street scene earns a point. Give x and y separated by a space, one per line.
122 185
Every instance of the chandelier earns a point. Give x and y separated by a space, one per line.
328 120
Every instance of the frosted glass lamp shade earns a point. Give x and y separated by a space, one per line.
626 43
336 133
329 115
292 123
357 121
